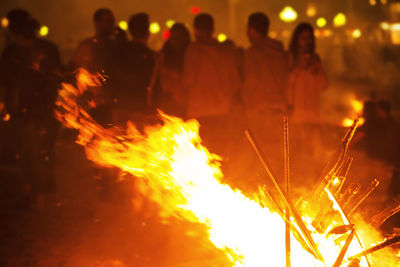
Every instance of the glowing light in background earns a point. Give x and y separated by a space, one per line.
324 33
321 22
288 14
395 27
384 2
222 37
395 33
123 25
372 2
155 28
44 30
385 26
273 34
166 34
195 10
170 23
356 33
4 22
311 10
339 20
286 34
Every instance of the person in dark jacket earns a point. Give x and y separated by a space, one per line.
99 54
134 94
31 69
171 59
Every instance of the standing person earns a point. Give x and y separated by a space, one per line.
211 79
265 70
98 54
307 76
264 95
307 81
30 68
171 57
133 95
10 140
15 17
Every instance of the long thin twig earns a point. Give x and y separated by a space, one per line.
344 217
287 187
389 242
344 249
370 189
310 241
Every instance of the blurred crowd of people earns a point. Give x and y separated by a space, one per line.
192 76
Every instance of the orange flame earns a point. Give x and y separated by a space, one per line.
185 180
355 110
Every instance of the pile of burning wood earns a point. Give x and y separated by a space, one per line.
250 229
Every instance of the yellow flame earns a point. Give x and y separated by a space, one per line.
355 108
184 178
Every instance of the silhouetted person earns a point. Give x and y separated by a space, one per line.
30 69
15 17
265 70
96 53
307 76
211 78
171 59
133 97
307 81
99 54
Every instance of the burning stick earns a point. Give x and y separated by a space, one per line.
310 242
381 217
371 188
351 191
346 168
268 196
287 187
345 218
343 251
389 242
326 180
